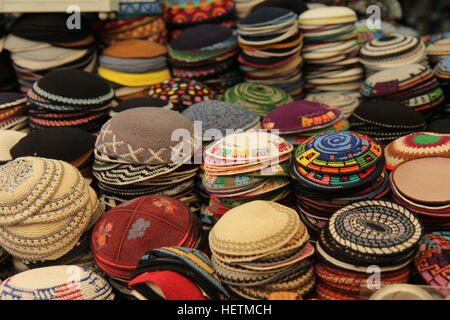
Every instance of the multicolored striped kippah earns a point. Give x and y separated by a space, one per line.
191 263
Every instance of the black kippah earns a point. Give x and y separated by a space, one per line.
74 84
201 36
63 143
296 6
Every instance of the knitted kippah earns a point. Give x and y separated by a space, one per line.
68 282
211 34
296 6
65 144
417 145
301 115
181 93
222 116
129 137
389 114
253 228
259 98
433 260
73 87
191 263
375 228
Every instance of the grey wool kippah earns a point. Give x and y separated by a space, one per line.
221 116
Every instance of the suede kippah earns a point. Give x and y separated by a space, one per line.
220 116
65 144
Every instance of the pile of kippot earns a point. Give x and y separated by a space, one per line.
243 167
69 98
380 234
262 247
331 50
412 85
41 42
271 49
133 158
135 64
333 169
45 207
211 58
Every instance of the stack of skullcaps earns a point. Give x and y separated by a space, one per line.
139 102
416 145
69 98
72 145
181 93
125 233
413 85
363 234
331 50
385 120
271 49
259 98
176 273
67 282
40 42
244 167
343 102
432 261
45 207
333 169
422 185
150 28
392 51
136 156
260 248
438 50
134 63
298 120
215 119
180 14
211 58
13 107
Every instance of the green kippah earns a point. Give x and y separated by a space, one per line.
261 99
